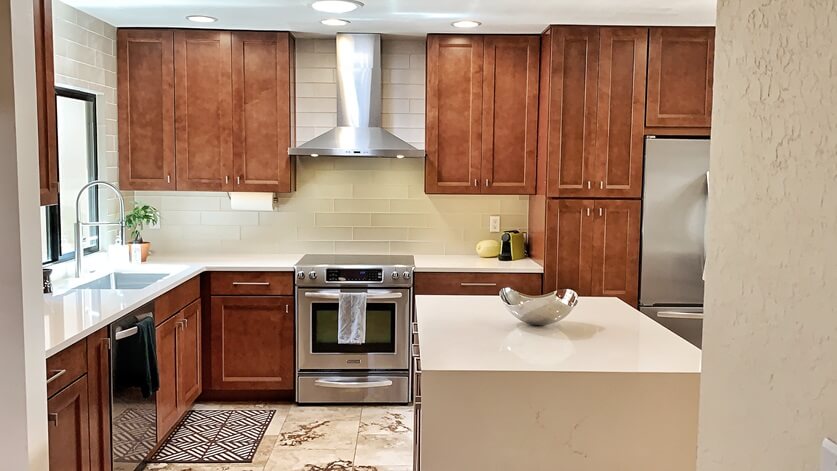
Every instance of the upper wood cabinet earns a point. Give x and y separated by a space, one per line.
481 123
592 247
205 110
592 119
263 110
45 89
145 76
680 71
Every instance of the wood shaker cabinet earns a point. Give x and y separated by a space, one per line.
145 79
680 75
98 383
592 247
45 90
592 120
69 428
481 121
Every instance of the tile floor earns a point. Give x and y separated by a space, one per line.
324 438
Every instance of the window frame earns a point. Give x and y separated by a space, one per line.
53 212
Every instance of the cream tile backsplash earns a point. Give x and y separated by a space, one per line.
342 205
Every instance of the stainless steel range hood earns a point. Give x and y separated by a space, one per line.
358 132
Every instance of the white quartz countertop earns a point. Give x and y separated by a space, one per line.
477 333
71 315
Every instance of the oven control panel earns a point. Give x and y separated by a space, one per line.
365 275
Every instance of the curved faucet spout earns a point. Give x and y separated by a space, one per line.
79 250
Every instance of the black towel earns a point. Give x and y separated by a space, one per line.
136 359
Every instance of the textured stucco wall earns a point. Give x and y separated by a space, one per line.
769 383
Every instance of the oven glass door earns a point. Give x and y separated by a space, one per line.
380 329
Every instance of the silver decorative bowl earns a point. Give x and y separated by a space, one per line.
539 310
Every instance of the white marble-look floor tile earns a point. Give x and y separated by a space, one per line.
386 419
391 449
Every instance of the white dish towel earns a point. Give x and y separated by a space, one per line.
351 319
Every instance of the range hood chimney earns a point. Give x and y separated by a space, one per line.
358 132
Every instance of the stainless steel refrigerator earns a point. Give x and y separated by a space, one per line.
673 220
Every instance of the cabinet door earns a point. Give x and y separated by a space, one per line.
571 110
621 107
510 114
203 110
680 69
262 71
252 343
45 85
189 356
167 411
145 65
98 378
568 258
69 432
616 249
454 114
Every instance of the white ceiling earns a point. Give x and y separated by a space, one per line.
402 17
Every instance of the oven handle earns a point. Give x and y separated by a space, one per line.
337 384
336 295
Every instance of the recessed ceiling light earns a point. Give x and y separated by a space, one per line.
466 24
336 6
334 22
201 19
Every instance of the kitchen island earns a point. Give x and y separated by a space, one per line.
605 389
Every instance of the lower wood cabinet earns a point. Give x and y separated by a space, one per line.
252 343
447 283
69 428
178 364
592 247
98 394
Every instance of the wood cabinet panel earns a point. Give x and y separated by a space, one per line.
616 249
454 114
262 81
249 283
510 114
167 410
252 343
189 356
569 246
203 110
621 106
66 366
69 429
45 89
571 110
680 75
145 75
446 283
98 382
170 303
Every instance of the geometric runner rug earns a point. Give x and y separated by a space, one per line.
215 436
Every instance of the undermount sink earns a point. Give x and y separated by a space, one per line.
123 280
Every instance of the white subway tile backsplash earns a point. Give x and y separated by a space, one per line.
230 218
315 75
395 61
401 220
379 233
343 219
361 247
316 119
361 206
316 105
395 90
316 90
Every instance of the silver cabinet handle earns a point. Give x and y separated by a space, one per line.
251 283
286 309
339 384
680 315
601 185
124 334
238 180
487 182
600 212
465 284
476 182
227 179
588 184
588 212
168 178
336 295
55 375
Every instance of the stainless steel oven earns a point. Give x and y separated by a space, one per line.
377 370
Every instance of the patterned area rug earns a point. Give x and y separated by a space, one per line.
134 434
215 436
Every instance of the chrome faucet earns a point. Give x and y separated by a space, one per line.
79 224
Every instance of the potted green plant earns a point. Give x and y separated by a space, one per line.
139 217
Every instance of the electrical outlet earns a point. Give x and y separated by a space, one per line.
829 455
493 223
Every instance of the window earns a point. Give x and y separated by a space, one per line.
76 136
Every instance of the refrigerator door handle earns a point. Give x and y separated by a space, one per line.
680 315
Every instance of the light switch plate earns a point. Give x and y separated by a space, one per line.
493 223
829 455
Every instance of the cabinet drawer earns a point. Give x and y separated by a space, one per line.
66 366
249 283
476 283
170 303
